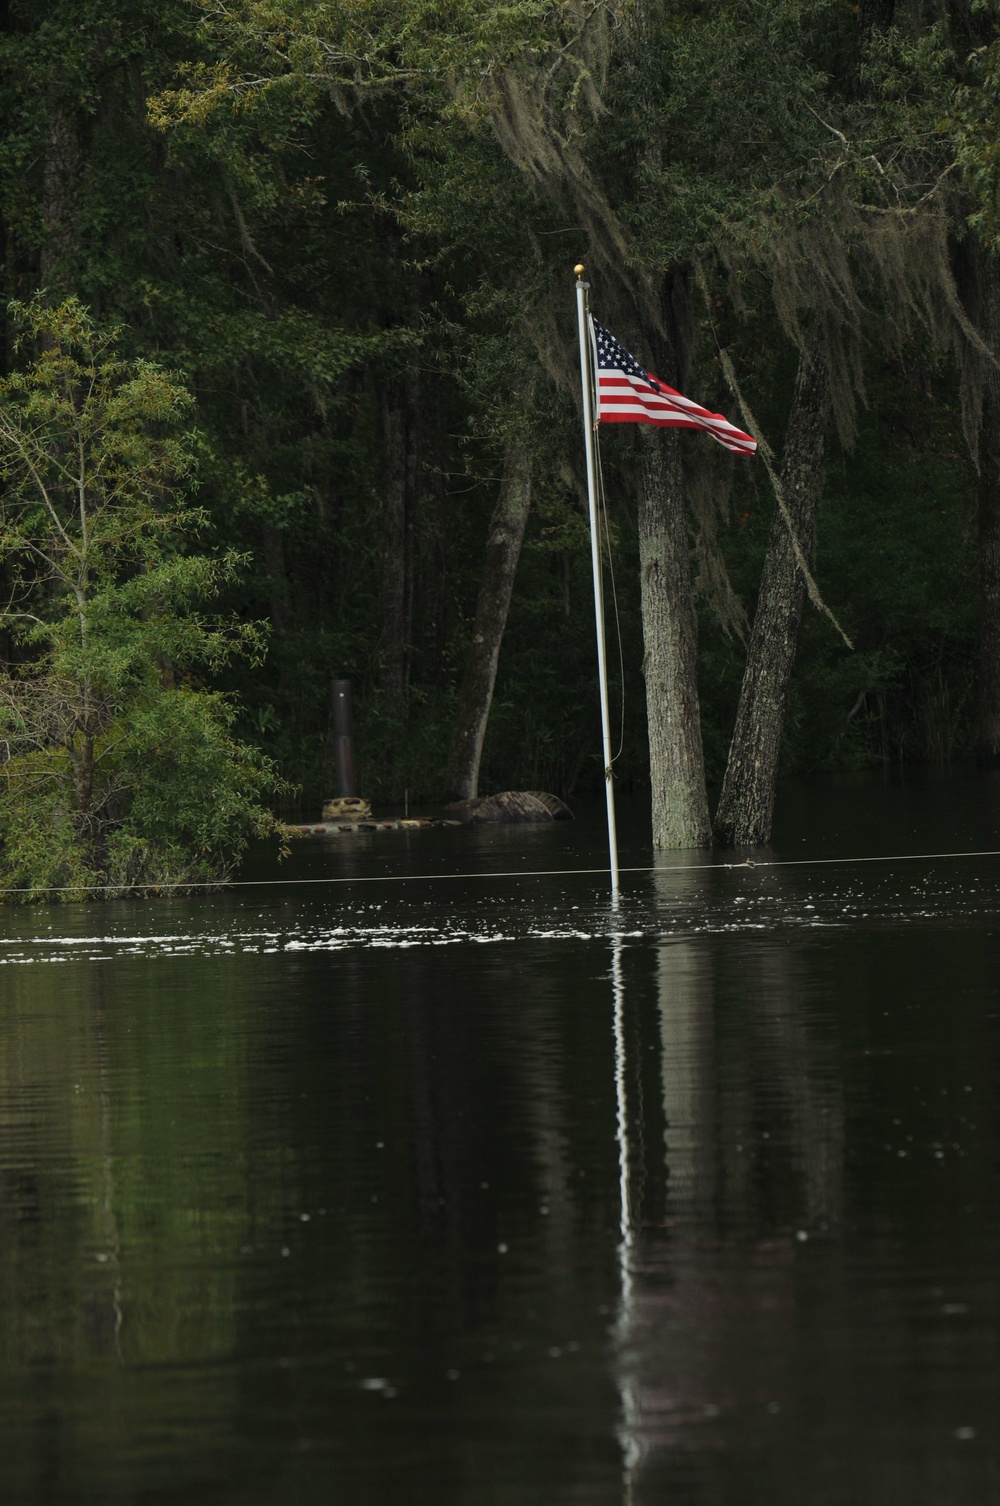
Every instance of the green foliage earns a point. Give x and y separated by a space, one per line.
313 212
118 766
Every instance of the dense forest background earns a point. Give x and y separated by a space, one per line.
348 231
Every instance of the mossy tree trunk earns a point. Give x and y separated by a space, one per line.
680 815
503 550
746 806
669 631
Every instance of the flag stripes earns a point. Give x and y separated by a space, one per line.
629 394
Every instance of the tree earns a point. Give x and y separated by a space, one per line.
355 205
746 804
117 766
503 551
718 193
855 252
530 77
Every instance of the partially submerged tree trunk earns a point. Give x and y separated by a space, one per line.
503 550
746 806
680 816
669 630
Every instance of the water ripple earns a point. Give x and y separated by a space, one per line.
664 907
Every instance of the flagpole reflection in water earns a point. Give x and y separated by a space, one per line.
621 1096
629 1433
652 1404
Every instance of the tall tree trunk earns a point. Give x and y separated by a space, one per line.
985 311
273 550
680 816
503 550
434 513
61 165
83 775
669 630
396 593
746 807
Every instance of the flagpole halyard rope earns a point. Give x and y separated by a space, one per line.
603 501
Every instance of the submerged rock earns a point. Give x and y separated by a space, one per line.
511 807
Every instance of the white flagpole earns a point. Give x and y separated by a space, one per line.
595 556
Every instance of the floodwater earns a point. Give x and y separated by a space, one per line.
473 1190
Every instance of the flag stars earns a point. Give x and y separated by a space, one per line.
612 356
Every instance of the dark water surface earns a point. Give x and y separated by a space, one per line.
472 1191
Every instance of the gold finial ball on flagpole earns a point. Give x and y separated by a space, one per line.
579 269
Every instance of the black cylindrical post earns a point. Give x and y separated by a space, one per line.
343 739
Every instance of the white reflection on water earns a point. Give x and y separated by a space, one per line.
668 905
54 948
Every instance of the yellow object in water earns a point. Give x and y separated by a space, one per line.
346 807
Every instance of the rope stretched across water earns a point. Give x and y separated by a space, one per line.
747 865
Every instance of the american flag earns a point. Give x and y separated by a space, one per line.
629 394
